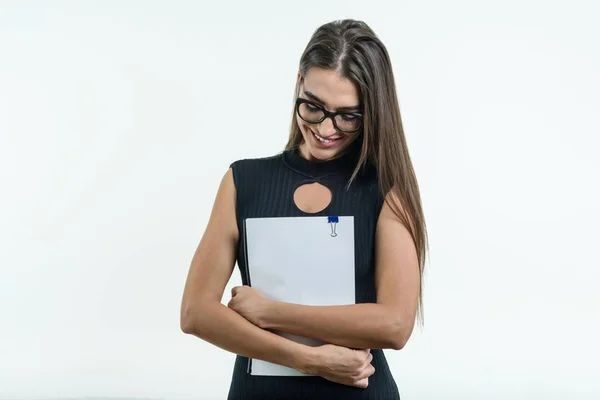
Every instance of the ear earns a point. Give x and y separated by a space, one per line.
299 76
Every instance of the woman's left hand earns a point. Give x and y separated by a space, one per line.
249 303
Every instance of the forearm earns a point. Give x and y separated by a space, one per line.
223 327
359 326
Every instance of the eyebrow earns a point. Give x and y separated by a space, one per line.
352 108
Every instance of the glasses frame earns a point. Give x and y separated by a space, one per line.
328 114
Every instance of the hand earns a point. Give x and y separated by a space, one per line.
249 303
342 365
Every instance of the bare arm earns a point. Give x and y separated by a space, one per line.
388 323
202 313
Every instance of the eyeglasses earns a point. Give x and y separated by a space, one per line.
344 121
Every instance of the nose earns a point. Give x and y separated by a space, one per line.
326 128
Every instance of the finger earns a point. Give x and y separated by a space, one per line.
364 365
364 374
234 290
360 353
367 359
362 383
362 358
233 301
370 370
366 352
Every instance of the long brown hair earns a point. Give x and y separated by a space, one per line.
351 48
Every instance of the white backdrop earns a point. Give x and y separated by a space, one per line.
118 120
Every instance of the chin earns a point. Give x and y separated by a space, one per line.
323 154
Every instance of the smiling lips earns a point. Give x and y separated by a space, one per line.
326 142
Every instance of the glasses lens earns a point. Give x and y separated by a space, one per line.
347 122
310 113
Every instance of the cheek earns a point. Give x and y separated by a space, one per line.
304 129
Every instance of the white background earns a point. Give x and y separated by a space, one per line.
118 120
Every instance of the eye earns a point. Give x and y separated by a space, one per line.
350 117
312 107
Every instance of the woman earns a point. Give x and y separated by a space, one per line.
346 155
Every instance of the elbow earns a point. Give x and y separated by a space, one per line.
185 322
397 342
195 316
188 319
399 334
186 327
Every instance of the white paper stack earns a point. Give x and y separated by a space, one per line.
302 260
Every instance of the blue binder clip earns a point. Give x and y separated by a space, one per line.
333 220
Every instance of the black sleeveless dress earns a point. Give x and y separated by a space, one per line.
265 188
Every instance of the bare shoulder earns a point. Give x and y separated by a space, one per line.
393 237
393 210
223 215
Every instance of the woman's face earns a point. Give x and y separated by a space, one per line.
326 88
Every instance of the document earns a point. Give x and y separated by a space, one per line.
302 260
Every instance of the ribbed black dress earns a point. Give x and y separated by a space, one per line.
265 188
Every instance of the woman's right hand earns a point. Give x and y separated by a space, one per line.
343 365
